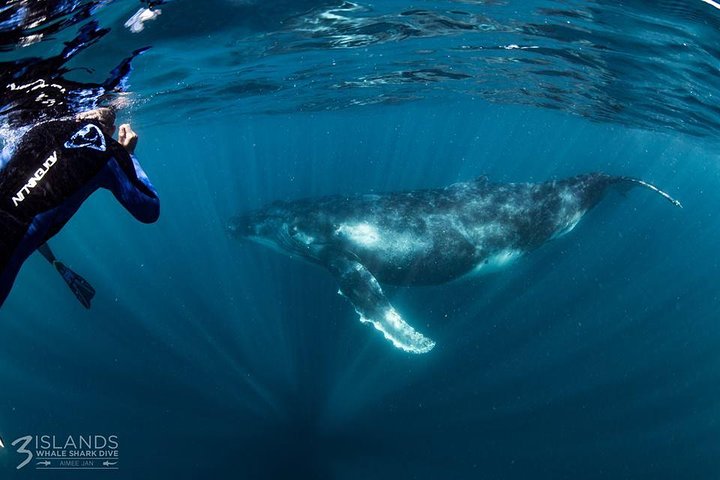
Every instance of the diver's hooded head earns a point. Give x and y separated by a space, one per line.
104 116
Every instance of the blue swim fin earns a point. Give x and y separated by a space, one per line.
80 287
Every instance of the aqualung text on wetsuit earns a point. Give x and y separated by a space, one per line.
33 181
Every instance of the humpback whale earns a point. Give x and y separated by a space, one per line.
424 237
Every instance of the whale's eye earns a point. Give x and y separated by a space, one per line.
88 136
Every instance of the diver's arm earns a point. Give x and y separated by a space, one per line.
130 185
127 138
133 189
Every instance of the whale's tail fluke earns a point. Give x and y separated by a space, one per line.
633 182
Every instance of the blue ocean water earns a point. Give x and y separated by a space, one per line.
594 357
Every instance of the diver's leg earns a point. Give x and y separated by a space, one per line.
7 278
9 273
44 249
80 287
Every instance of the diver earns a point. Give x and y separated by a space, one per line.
80 287
56 166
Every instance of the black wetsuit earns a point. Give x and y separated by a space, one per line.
56 166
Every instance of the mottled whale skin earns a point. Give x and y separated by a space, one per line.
424 237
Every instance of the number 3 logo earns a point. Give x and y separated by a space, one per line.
23 449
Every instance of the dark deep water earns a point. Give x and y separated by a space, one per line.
595 357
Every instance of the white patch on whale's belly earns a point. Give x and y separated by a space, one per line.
398 247
496 262
304 238
569 226
362 234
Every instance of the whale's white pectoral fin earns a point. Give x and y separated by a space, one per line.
400 333
359 286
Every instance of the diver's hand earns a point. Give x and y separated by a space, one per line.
127 138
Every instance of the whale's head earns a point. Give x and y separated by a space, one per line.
267 226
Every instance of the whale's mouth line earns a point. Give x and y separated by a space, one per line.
280 241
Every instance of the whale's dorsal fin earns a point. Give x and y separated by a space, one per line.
481 180
476 183
359 286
